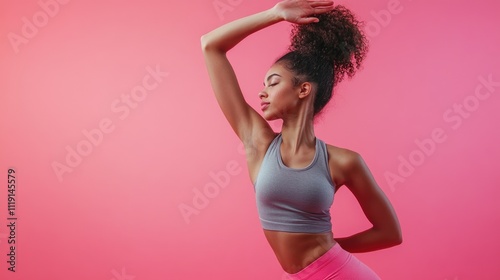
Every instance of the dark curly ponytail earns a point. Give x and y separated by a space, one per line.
323 52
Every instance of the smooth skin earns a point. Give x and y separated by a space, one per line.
294 105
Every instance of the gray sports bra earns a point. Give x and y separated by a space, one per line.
294 199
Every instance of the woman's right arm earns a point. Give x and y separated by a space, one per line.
244 120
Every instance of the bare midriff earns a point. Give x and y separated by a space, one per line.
295 251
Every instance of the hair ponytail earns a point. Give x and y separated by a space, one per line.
325 51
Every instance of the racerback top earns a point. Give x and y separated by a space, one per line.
294 199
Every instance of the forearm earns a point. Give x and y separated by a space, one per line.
369 240
227 36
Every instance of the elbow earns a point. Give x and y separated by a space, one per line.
390 237
397 240
396 237
210 44
391 241
207 44
204 42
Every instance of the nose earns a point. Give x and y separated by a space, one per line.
262 94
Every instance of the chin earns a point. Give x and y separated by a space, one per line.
269 117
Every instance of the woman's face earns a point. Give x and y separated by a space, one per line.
279 94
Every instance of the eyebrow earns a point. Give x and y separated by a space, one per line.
269 77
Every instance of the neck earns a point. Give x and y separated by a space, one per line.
298 132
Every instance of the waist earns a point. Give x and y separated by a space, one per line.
295 251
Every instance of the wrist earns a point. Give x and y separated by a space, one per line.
276 13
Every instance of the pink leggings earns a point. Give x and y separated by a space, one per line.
336 263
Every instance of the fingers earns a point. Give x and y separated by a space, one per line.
322 10
307 20
321 6
315 4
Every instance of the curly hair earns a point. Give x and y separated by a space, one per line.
325 51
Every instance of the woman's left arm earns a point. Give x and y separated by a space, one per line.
385 231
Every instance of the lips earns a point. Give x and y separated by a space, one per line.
264 105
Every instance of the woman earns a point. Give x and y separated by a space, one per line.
295 174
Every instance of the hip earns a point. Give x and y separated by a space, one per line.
295 251
336 263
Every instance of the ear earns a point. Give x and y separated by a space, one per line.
305 89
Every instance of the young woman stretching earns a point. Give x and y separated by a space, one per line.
295 174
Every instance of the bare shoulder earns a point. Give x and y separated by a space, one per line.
341 161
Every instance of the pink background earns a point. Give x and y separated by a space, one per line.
117 215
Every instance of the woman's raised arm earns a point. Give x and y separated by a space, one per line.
244 120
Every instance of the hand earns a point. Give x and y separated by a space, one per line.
299 11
